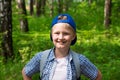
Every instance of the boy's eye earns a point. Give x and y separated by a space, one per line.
56 33
66 33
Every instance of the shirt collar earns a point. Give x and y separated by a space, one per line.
70 56
52 55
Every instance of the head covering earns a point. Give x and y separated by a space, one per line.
65 18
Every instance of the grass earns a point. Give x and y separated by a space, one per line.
101 50
99 45
11 71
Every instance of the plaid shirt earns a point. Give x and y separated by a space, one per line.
87 68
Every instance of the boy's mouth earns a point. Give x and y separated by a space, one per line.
61 42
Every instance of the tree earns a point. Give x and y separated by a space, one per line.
6 29
31 7
51 8
43 3
23 18
66 4
107 13
60 7
38 7
90 1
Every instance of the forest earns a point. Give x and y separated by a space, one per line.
25 30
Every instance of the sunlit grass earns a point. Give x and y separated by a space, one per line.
101 46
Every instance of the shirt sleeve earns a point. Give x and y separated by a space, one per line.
33 65
88 69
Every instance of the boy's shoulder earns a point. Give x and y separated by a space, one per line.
82 58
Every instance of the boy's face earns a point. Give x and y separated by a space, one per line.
62 35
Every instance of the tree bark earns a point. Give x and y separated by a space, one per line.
60 7
38 7
43 3
51 8
66 3
31 7
107 13
23 13
90 2
6 29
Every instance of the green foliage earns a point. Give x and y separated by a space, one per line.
115 12
30 43
102 48
11 70
88 16
99 45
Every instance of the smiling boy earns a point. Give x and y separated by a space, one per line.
60 64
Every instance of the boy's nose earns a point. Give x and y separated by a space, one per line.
60 36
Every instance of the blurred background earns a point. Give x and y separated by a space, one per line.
25 29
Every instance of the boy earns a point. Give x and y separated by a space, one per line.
60 64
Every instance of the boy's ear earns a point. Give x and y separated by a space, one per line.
51 36
74 40
74 37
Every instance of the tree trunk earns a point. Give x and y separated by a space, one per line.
31 7
6 29
107 13
23 13
43 3
60 8
51 8
90 2
66 3
38 7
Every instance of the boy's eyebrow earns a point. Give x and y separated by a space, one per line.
62 17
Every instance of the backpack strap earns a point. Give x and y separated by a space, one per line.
75 60
77 63
43 60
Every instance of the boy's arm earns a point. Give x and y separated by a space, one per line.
99 76
31 67
25 77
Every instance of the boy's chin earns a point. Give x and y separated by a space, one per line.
60 46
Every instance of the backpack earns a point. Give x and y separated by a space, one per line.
75 60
